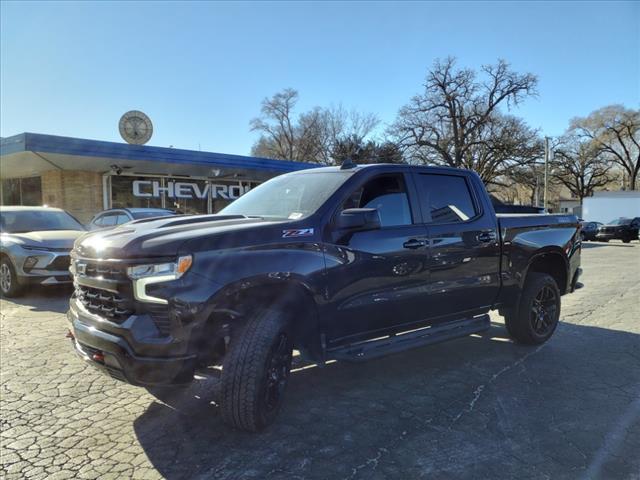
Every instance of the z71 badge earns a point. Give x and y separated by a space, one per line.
298 232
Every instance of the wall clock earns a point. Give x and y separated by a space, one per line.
135 127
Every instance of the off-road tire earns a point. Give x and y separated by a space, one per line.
521 322
14 289
246 369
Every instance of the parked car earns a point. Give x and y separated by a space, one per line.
34 247
345 263
117 216
625 229
589 230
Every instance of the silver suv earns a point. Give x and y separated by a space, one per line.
34 247
117 216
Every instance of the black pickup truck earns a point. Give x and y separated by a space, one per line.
346 263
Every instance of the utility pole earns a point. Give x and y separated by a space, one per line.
546 169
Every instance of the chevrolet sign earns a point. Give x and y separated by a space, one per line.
154 189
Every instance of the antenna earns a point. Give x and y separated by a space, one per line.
348 164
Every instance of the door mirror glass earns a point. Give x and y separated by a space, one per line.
359 219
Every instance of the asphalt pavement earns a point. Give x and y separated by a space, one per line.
478 407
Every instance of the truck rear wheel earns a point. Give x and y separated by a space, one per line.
255 372
536 316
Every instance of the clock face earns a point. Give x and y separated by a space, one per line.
135 127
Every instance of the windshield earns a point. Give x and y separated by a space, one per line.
292 196
37 220
620 221
151 213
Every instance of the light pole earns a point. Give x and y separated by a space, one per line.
546 169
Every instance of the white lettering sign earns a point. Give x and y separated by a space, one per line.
154 189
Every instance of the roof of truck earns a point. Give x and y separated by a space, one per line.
363 166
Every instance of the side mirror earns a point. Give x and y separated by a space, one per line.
359 219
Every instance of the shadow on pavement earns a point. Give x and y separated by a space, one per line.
477 407
44 299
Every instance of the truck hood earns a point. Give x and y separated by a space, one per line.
54 239
161 237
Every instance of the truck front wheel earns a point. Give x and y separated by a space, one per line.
536 316
255 371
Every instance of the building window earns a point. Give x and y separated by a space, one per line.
183 195
186 195
22 191
132 192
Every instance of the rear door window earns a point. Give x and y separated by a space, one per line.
445 198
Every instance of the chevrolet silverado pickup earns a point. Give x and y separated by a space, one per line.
338 263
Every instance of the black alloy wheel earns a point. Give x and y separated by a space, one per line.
544 310
278 372
535 317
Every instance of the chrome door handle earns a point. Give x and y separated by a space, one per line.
486 237
414 243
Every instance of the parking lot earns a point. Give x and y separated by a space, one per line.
479 407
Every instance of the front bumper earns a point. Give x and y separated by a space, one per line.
129 352
607 236
47 278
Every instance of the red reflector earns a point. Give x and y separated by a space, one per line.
98 357
70 334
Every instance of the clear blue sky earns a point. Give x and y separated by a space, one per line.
200 70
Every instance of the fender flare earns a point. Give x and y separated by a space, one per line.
289 292
549 250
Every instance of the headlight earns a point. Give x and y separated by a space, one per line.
143 275
171 269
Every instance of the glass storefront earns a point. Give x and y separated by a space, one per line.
22 191
122 194
184 195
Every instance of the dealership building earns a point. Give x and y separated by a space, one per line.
86 176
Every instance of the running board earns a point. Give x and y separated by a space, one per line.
404 341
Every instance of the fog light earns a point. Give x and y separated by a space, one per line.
98 357
29 263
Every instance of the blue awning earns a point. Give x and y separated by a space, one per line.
31 153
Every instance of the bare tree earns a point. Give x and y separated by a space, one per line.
354 148
579 165
310 136
276 124
456 120
615 132
526 178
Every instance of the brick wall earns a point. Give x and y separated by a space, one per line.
78 192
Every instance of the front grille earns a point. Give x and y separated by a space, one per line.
105 270
104 303
115 307
60 263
